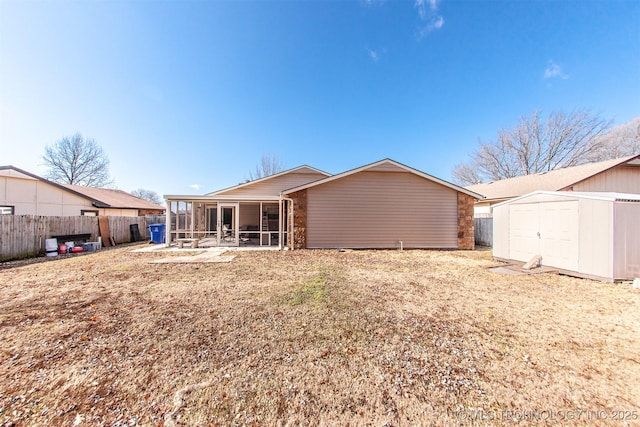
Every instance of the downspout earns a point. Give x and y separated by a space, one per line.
291 223
280 223
167 220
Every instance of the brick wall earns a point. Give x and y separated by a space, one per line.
466 238
299 219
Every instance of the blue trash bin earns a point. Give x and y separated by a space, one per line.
157 232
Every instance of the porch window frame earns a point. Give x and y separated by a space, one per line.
175 203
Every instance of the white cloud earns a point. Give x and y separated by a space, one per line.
195 186
422 8
436 24
371 3
554 71
428 11
374 55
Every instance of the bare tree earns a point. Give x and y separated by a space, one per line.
621 141
269 165
148 195
466 174
536 145
79 161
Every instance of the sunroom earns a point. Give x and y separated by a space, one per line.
210 221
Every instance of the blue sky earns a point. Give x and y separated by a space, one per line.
186 94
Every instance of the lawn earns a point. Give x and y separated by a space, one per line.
313 338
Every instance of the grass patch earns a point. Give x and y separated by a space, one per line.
313 291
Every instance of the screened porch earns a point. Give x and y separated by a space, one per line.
219 221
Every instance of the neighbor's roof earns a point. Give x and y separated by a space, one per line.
99 197
386 162
114 198
554 180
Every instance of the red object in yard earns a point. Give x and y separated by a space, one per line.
76 249
62 248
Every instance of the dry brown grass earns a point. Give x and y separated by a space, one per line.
313 338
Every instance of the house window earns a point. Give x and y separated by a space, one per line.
7 210
85 212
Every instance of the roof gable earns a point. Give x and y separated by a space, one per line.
13 172
385 165
312 174
554 180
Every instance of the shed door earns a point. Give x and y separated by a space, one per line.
559 234
524 242
547 229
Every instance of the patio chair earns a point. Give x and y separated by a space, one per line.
226 233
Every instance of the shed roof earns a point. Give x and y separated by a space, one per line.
593 195
554 180
380 166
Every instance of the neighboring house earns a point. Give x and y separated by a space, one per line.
617 175
381 205
23 193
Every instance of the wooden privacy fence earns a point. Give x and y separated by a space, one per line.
23 236
483 233
120 231
155 219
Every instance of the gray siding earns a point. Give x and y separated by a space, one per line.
623 179
379 209
273 186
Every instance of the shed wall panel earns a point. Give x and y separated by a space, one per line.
379 209
596 239
627 240
501 232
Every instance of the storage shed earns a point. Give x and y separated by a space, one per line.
594 235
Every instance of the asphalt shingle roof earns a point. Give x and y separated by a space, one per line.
554 180
114 198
